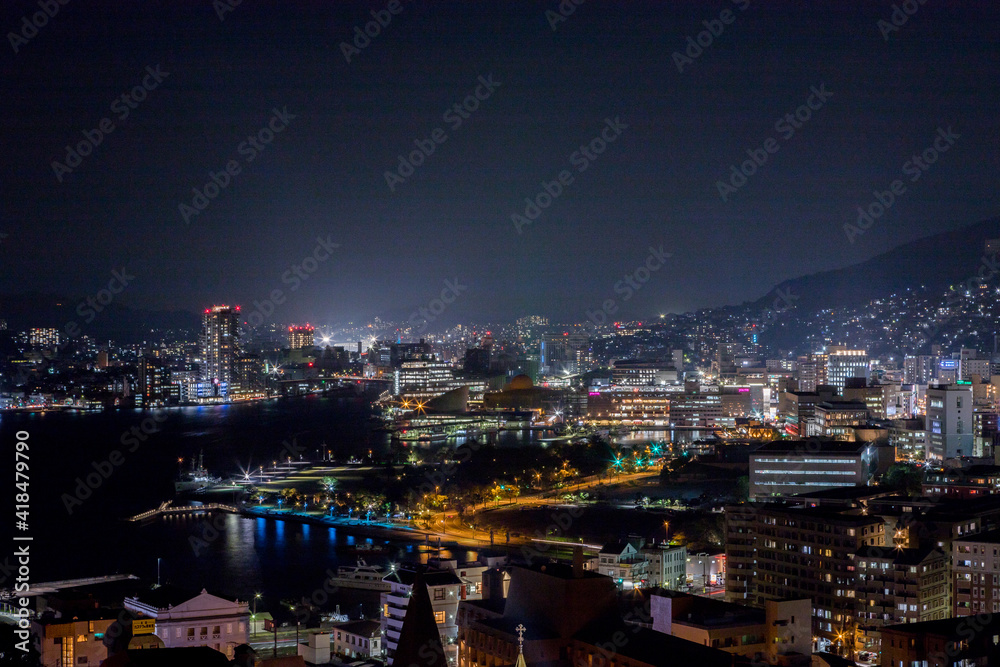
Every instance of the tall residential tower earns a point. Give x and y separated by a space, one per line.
220 343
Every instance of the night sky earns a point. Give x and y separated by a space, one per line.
343 125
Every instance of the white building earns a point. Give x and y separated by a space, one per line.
666 565
357 640
445 591
843 363
470 574
949 423
980 367
629 373
204 620
622 562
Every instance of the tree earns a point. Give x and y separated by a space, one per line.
743 489
904 478
329 485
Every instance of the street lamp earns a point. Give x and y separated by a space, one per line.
253 619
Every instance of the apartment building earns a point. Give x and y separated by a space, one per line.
976 574
803 553
445 590
898 585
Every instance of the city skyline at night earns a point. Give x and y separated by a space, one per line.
508 333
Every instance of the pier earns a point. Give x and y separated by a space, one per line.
167 508
54 586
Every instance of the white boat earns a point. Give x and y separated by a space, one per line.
426 439
363 575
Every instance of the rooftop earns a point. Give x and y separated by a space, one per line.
706 612
363 628
431 577
654 648
897 556
103 613
508 626
811 447
168 595
202 656
617 548
989 537
948 627
561 571
846 493
824 514
495 605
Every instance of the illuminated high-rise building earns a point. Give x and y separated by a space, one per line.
949 421
248 375
44 337
300 337
843 363
155 382
220 343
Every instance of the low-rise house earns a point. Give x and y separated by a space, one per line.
74 640
623 562
781 633
948 642
358 639
666 565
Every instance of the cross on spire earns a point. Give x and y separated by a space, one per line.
520 637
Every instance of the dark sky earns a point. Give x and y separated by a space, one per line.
323 175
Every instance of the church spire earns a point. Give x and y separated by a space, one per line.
520 646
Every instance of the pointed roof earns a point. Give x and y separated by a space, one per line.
419 638
520 646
